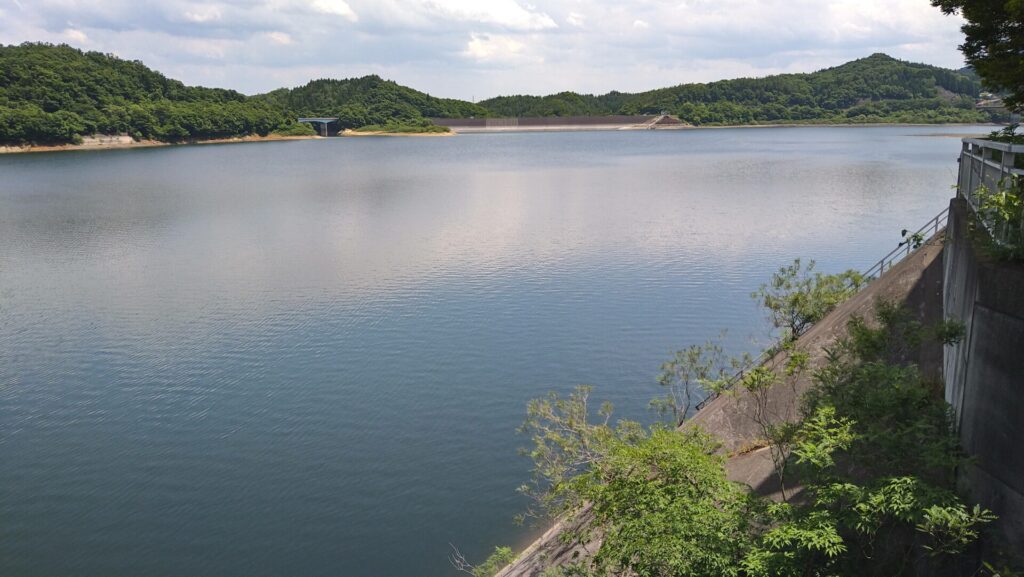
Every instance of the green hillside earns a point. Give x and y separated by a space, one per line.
369 100
873 89
56 94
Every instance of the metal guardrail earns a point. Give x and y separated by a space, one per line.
902 251
982 163
761 359
992 165
906 248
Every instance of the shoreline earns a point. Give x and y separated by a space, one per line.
104 142
632 127
349 132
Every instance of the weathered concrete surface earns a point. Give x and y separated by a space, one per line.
915 282
551 551
560 123
984 373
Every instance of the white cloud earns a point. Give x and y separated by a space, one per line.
466 48
203 14
503 13
492 48
280 38
75 36
207 49
336 7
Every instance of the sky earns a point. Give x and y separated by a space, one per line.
476 49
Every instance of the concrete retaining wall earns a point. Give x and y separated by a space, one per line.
984 373
540 121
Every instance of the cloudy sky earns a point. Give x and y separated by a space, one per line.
475 49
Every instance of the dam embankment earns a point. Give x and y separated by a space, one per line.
949 277
984 372
560 123
915 283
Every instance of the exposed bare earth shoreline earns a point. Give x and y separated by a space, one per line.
116 142
385 133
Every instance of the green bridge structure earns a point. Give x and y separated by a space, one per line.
323 121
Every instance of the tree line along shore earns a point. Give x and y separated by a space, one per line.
57 95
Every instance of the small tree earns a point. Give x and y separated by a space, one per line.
691 373
566 444
797 296
667 508
497 561
659 497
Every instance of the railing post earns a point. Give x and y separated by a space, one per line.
970 172
963 180
986 156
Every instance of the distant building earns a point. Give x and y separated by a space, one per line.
997 108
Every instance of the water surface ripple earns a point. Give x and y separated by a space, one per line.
309 358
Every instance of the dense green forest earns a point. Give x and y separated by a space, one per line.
873 89
369 100
58 94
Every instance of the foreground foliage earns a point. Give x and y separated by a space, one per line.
797 296
1001 213
994 44
873 456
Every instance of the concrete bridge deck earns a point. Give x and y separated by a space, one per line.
324 122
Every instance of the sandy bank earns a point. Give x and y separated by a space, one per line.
104 142
349 132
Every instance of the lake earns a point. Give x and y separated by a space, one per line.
310 358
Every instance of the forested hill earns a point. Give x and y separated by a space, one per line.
878 88
369 100
55 94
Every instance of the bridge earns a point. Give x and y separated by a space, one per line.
323 121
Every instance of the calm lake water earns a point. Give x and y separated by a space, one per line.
309 358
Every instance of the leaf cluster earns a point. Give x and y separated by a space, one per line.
692 373
495 562
874 454
993 44
797 296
